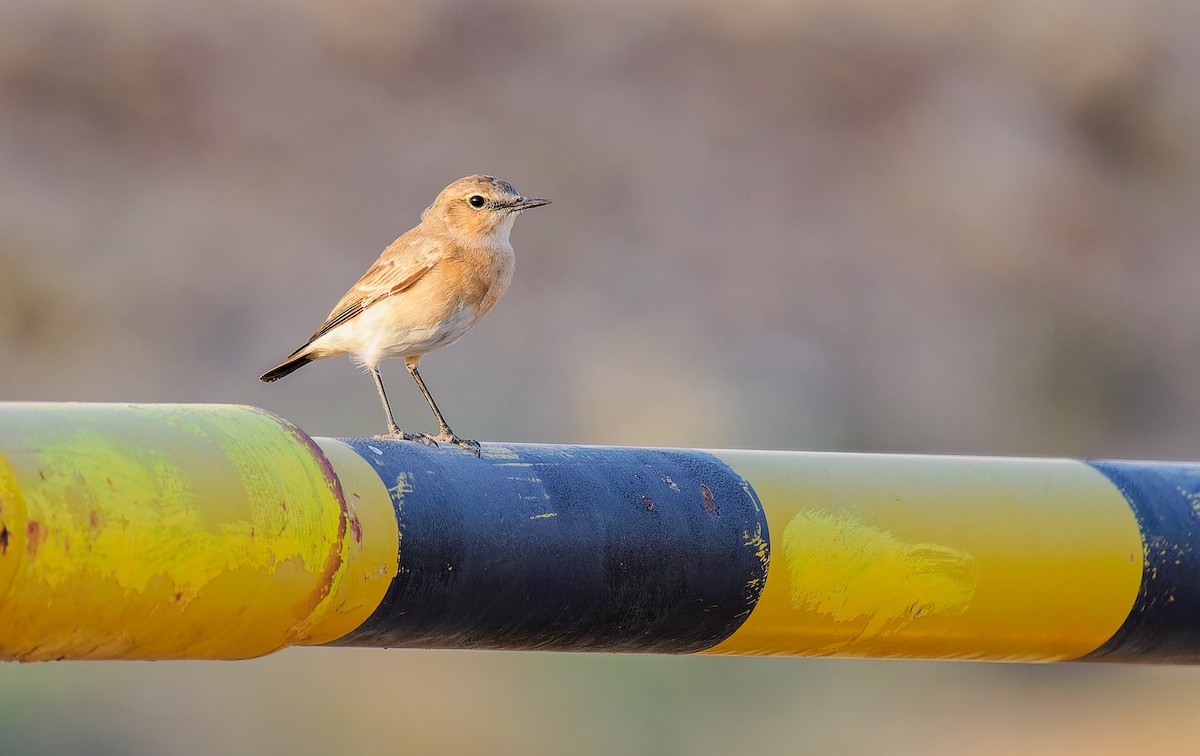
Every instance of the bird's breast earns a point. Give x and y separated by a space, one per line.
456 294
481 276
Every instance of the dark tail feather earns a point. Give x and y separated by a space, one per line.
288 366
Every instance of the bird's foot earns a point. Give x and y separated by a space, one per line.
447 437
399 435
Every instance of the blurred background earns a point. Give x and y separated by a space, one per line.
931 226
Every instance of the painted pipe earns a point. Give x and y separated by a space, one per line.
224 532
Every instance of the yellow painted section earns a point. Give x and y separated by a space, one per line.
938 557
370 554
12 526
168 531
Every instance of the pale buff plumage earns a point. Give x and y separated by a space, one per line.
427 289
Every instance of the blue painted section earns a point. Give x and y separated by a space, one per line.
565 547
1164 623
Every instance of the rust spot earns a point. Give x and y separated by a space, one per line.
110 483
94 519
33 531
251 532
3 540
284 505
706 496
178 595
356 529
649 504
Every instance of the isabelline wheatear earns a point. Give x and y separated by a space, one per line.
425 291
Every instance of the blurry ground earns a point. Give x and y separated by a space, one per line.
949 226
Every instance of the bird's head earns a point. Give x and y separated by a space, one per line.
482 207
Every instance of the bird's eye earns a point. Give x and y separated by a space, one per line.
477 201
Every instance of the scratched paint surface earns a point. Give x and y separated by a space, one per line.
938 557
852 572
161 531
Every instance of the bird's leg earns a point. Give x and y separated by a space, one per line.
393 429
446 434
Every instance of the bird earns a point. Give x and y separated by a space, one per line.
427 289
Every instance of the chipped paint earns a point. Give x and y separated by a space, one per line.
497 451
1162 624
402 487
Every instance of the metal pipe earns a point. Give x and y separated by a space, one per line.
222 532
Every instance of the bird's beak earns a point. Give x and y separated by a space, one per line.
527 202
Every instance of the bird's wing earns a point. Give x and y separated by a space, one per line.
399 267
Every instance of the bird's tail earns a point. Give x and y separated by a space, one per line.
294 362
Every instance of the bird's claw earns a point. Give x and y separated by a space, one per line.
448 437
399 435
445 437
